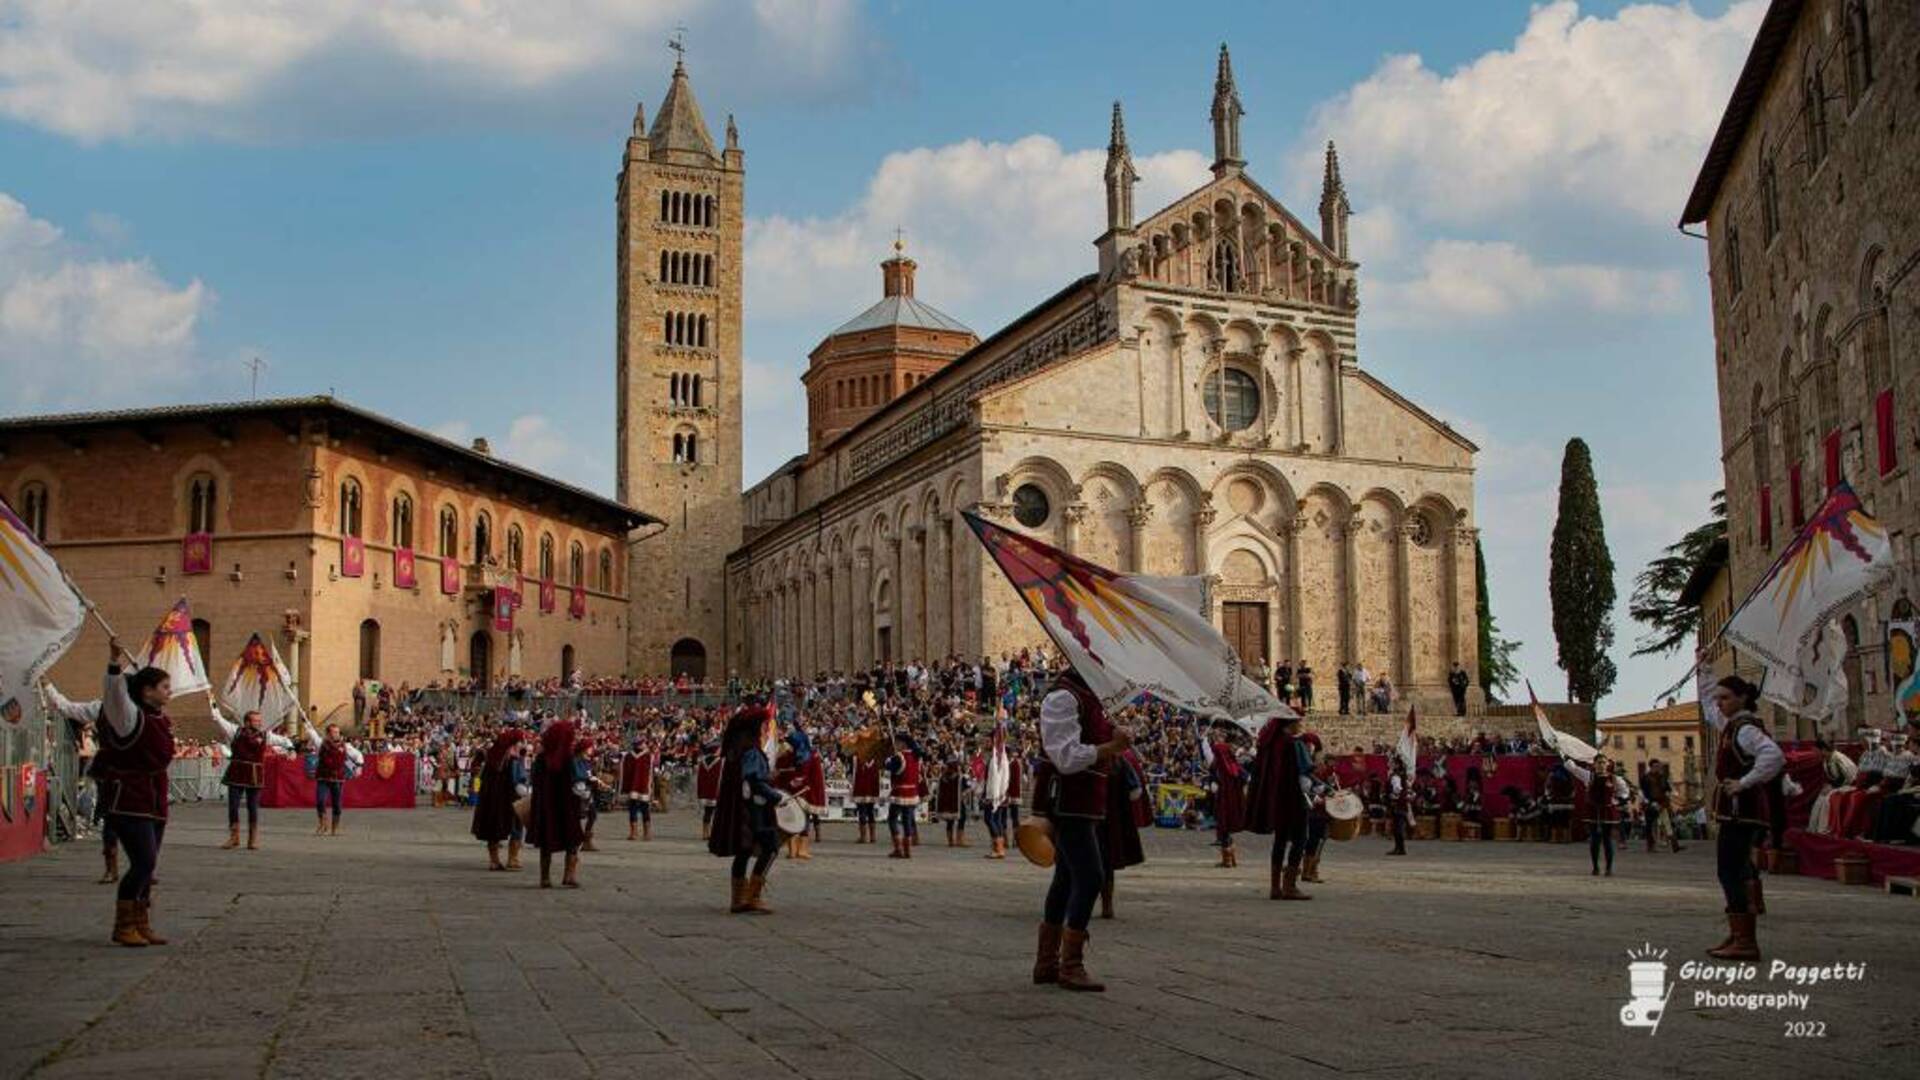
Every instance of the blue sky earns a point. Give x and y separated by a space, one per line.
410 204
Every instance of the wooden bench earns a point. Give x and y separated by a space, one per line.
1897 886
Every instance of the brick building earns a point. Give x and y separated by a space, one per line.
1808 199
282 492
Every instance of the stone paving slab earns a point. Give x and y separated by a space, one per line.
391 951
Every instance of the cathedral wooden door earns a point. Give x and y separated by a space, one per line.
1245 628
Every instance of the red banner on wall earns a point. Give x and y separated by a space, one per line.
353 556
450 576
504 601
1833 458
546 597
196 553
23 811
1794 502
577 602
385 783
403 575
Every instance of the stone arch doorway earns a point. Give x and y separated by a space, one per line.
480 659
688 658
566 662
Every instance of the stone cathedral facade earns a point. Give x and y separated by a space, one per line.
1195 405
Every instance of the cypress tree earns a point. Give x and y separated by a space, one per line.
1580 581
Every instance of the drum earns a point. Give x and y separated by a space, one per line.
791 816
1034 838
1345 812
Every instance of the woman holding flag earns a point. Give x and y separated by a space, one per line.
1746 763
136 747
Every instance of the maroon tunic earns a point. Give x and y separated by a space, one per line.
1752 806
946 796
636 775
906 783
1276 800
866 782
1230 790
813 785
332 765
1081 794
1128 810
1600 805
706 780
247 768
131 771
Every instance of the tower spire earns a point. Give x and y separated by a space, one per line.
1120 175
1334 208
1226 118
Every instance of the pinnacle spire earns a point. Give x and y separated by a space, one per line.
679 129
1120 175
1117 140
1334 208
1226 117
1332 180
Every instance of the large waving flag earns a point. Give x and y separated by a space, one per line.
259 682
1571 747
40 611
1407 749
172 649
1839 556
1128 634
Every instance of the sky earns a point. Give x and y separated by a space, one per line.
408 203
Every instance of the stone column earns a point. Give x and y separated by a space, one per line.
917 624
1138 515
1074 515
1295 359
1179 387
899 556
1291 535
863 608
1350 629
937 626
1202 521
1462 618
1403 595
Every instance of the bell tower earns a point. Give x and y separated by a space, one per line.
677 365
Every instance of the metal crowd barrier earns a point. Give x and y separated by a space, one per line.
195 779
598 706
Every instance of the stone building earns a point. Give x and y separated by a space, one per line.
1808 200
678 214
278 492
1196 406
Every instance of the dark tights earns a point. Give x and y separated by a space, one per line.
140 837
765 847
1078 873
238 795
1290 843
1734 851
1599 836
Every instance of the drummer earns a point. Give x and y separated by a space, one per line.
866 796
904 768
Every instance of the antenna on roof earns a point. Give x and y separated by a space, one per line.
253 367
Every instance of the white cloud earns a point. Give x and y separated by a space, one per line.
81 331
990 223
533 441
270 68
1591 112
1487 280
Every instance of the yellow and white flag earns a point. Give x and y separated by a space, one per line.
40 613
173 649
259 683
1129 634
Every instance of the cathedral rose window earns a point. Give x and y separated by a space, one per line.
1232 398
1030 506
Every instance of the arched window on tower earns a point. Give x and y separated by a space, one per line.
713 210
516 548
1814 117
546 556
606 570
703 331
201 501
449 533
35 508
1859 47
482 537
665 197
400 533
348 518
203 642
576 564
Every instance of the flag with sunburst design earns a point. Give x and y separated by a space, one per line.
1841 555
174 649
1128 634
40 612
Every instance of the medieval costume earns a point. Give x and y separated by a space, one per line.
503 781
1128 811
246 773
865 793
85 717
1070 790
1747 764
950 799
801 773
636 779
136 747
706 786
994 791
1320 783
1399 805
1282 783
1601 813
743 823
904 800
554 823
334 762
1229 782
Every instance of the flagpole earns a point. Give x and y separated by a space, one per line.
93 612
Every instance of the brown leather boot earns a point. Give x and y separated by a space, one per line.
126 923
143 922
1233 858
1290 885
633 830
646 830
1046 959
513 854
739 901
1756 900
1743 946
320 827
112 872
570 873
1073 968
896 853
1311 870
493 856
546 869
335 829
1273 886
803 848
253 838
960 839
233 838
586 843
756 889
1106 902
1226 859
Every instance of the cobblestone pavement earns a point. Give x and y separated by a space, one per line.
391 951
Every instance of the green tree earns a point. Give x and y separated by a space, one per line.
1656 592
1580 581
1497 669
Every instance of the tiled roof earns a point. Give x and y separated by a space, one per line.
900 311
